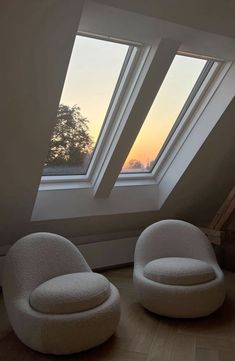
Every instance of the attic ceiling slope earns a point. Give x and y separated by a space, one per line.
209 15
37 38
209 178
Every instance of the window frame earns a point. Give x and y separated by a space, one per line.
74 198
130 71
199 82
135 54
211 69
136 57
61 201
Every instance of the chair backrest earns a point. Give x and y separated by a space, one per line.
173 238
37 258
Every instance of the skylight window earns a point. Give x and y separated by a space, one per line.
176 88
93 73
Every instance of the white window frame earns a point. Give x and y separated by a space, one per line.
138 62
133 63
183 123
74 196
131 70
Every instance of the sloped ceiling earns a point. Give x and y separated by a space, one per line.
214 16
36 42
210 176
196 197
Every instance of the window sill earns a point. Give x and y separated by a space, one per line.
79 202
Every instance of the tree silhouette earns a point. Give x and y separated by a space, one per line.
135 164
70 142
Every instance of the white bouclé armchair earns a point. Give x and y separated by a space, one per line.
176 273
55 303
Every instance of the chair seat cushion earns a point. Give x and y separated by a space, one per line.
70 293
179 271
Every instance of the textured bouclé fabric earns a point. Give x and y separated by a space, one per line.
161 285
51 308
179 271
70 293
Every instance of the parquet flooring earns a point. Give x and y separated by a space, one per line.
142 336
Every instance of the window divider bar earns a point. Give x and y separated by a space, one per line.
147 86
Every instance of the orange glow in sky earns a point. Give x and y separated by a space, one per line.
93 72
176 87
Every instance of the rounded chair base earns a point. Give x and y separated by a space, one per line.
179 301
62 334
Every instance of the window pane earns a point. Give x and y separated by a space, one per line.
93 72
176 88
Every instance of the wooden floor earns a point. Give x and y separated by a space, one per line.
142 336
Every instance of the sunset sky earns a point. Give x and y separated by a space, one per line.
91 78
93 72
177 85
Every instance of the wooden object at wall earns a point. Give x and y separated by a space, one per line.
215 231
215 237
224 212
